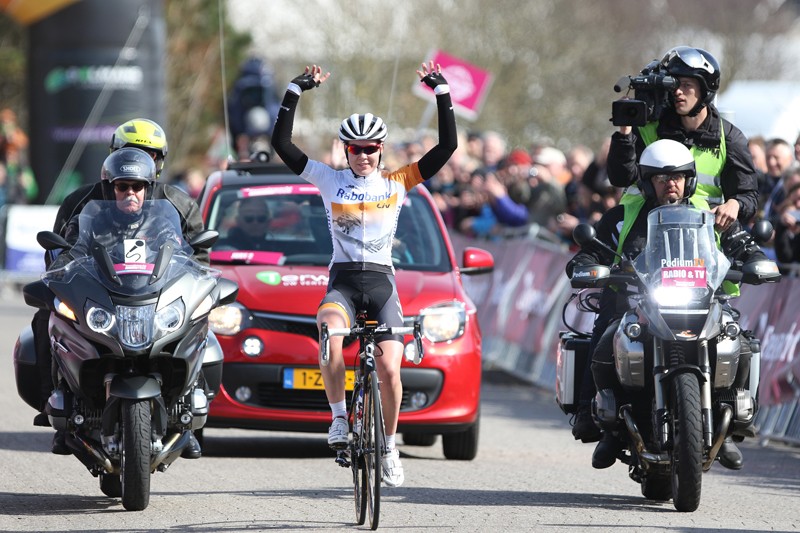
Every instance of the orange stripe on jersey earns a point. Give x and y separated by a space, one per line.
336 306
408 175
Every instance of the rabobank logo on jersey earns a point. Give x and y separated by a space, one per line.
361 197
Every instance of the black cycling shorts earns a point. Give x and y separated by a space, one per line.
365 290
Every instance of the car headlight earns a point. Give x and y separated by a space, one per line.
443 322
170 318
227 319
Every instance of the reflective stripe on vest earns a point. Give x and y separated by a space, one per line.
709 164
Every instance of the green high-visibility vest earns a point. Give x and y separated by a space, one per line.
709 165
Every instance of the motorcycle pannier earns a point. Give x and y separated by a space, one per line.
573 356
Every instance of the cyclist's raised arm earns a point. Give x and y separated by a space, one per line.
293 156
436 158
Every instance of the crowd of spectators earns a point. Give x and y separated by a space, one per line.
17 184
489 190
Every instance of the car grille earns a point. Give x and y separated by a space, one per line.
291 324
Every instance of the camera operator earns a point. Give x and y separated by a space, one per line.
726 180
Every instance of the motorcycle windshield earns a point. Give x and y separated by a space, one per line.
681 263
130 254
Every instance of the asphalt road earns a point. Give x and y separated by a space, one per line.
530 475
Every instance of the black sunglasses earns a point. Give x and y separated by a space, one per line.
250 219
123 187
357 150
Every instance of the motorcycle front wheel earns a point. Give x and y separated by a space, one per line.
135 468
687 438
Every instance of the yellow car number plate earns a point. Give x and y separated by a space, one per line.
311 378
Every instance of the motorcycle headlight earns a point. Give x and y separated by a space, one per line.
227 319
443 322
672 296
99 319
170 318
135 325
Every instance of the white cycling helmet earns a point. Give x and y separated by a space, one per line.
366 127
666 156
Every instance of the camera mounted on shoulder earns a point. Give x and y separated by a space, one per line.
651 90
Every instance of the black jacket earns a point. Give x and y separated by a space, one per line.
189 211
738 179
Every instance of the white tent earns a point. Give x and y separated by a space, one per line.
767 108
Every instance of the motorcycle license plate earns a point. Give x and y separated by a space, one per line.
311 378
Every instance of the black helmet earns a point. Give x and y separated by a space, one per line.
666 156
129 164
688 62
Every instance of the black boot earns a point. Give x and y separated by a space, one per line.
729 455
605 454
738 245
41 420
193 449
59 446
585 430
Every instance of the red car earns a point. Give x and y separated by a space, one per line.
269 337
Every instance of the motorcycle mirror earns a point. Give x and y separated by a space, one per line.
51 241
583 234
762 231
204 239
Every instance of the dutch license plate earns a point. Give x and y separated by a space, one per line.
311 378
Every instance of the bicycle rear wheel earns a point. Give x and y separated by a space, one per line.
373 446
357 463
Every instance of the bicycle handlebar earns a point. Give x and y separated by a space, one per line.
326 333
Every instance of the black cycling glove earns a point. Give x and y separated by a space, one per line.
305 81
433 80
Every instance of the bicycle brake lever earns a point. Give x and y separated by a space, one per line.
418 343
324 345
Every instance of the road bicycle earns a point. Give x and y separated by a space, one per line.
364 453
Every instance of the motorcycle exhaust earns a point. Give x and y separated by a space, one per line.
172 450
647 458
89 455
724 423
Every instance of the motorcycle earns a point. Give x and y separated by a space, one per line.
676 352
133 359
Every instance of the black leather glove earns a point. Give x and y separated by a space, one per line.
305 81
434 79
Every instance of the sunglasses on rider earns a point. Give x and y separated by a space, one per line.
123 187
664 178
357 150
249 219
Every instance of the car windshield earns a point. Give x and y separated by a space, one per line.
286 224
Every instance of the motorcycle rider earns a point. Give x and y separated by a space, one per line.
667 176
150 137
726 175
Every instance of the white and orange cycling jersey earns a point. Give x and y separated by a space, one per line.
362 211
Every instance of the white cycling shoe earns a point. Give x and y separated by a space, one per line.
337 433
392 468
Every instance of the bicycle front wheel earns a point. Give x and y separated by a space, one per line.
357 463
373 447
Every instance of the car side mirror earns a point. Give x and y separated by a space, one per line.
476 261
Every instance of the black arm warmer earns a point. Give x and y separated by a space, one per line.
436 158
293 156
